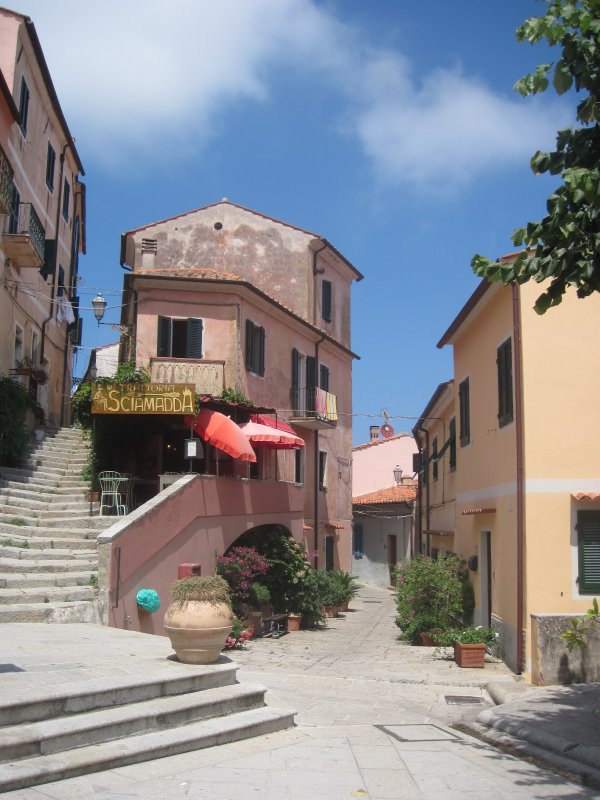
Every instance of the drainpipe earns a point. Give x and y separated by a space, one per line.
520 472
316 466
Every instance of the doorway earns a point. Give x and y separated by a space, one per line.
392 553
485 578
329 542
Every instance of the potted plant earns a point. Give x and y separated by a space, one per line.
470 644
309 599
428 596
348 586
199 619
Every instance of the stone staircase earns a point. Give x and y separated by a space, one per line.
79 729
48 551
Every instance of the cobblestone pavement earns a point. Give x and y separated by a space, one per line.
374 721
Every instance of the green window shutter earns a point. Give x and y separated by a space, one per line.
61 282
465 412
163 349
49 265
261 351
326 297
311 382
249 344
434 459
505 383
295 379
452 438
324 377
193 347
588 535
24 106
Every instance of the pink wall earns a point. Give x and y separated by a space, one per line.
373 463
194 520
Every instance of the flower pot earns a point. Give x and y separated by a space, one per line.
198 630
330 611
344 606
293 623
428 638
470 655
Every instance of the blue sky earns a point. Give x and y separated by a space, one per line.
390 127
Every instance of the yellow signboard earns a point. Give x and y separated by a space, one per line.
143 398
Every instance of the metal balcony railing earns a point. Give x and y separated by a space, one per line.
316 403
24 224
6 183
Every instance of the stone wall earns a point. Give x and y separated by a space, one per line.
551 661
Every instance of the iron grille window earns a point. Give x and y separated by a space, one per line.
505 383
465 412
588 536
179 338
326 300
50 165
255 348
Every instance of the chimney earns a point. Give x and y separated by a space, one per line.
374 432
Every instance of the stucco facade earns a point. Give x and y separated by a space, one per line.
527 464
251 289
43 224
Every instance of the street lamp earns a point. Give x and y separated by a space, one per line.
398 474
99 306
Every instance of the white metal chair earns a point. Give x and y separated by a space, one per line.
113 487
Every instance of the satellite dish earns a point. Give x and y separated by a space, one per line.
387 431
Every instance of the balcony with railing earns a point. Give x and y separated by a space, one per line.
313 408
208 377
6 183
24 240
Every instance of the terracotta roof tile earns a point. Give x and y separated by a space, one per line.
380 441
191 272
395 494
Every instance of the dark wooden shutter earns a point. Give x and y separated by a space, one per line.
24 106
13 222
434 459
452 434
61 281
465 414
326 297
295 379
163 349
249 344
261 351
311 382
49 265
505 383
193 345
324 377
588 534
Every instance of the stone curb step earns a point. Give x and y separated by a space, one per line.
47 594
66 565
144 747
64 733
73 698
59 612
45 579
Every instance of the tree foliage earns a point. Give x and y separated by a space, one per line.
564 247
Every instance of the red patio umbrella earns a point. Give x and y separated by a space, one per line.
267 436
223 433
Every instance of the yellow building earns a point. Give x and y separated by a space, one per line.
526 484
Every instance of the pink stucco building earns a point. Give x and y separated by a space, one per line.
256 311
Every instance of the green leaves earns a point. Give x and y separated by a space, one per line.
581 627
563 249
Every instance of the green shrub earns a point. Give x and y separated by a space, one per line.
469 635
348 584
15 402
259 595
429 595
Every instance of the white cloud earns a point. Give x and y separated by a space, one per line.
135 74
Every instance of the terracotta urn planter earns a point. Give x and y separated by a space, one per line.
293 623
199 620
470 655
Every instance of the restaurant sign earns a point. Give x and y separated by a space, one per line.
143 398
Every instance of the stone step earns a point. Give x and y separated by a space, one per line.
143 747
42 501
80 611
27 476
49 580
30 552
40 532
53 544
47 594
77 730
15 500
12 522
12 565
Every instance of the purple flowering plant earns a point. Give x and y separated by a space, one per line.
240 567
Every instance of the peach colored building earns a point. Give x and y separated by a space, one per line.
43 205
249 308
373 463
526 487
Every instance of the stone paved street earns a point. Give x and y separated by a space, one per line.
373 722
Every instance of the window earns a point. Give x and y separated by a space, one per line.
255 348
434 459
179 338
588 537
326 300
24 106
50 164
19 349
304 381
452 434
465 414
357 540
13 222
322 469
66 199
35 348
61 282
324 377
505 382
299 465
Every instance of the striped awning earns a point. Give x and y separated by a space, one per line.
468 512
